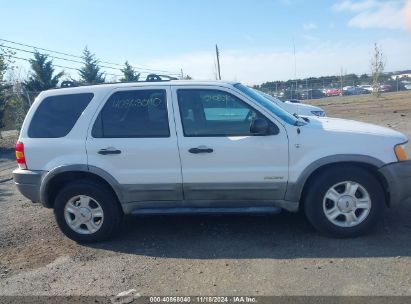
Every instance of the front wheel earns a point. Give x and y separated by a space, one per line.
344 201
87 212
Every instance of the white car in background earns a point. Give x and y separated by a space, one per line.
367 87
296 108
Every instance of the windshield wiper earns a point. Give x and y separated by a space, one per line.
301 120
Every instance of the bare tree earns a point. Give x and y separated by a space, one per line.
377 68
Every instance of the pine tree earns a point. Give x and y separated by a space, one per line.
42 75
90 72
130 75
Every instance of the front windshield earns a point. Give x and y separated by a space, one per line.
269 105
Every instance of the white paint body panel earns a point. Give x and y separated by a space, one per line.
235 159
49 153
142 160
323 137
238 159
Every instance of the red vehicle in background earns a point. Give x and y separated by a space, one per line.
332 92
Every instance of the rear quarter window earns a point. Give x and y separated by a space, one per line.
57 115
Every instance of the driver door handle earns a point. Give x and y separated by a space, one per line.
109 150
199 150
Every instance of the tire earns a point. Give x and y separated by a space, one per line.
90 204
332 212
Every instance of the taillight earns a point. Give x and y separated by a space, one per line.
21 159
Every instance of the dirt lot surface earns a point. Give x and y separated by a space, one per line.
211 255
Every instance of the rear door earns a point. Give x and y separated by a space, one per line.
133 139
221 159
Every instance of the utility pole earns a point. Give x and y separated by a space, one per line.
22 90
218 61
295 62
295 70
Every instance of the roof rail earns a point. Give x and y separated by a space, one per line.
149 78
68 84
155 77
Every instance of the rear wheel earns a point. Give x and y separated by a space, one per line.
344 201
87 212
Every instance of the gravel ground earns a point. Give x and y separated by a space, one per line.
209 255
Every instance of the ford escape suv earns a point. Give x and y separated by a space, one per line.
96 153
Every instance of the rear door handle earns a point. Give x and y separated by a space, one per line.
108 151
201 150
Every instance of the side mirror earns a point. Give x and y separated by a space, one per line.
259 127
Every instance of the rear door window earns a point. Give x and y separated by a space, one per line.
133 114
57 115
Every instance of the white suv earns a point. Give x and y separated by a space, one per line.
96 153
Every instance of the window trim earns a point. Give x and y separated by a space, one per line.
134 89
274 133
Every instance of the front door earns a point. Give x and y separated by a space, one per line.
133 139
221 159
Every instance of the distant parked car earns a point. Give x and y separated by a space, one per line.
385 88
367 87
354 91
407 86
288 95
295 108
332 92
311 94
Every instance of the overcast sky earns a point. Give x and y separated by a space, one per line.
256 38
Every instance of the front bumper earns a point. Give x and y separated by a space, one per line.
398 177
28 182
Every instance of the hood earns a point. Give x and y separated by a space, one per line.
352 126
